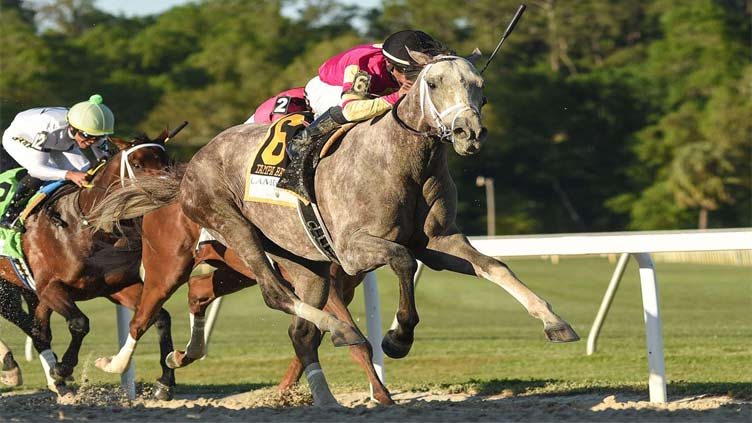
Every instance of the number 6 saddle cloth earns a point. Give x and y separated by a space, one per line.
270 160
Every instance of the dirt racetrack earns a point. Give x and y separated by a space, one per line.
106 404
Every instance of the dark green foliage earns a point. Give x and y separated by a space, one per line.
602 115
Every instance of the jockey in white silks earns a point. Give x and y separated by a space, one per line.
47 142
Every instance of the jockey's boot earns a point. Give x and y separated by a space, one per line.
304 151
27 187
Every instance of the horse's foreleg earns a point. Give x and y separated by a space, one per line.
454 252
202 291
365 253
128 297
43 335
56 296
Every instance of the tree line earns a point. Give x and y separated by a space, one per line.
602 115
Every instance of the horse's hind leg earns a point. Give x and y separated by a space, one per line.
454 252
223 216
128 297
361 353
305 336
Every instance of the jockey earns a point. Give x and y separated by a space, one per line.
47 142
286 102
355 85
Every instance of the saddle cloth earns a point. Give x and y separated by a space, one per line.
270 160
11 240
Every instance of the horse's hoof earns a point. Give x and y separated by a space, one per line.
345 335
163 392
560 332
383 398
394 348
172 361
65 395
61 389
11 377
177 359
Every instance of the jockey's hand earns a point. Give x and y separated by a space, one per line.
78 178
405 87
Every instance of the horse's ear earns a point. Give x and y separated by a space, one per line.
474 56
121 144
421 59
162 136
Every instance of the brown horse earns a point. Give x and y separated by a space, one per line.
170 252
70 263
386 196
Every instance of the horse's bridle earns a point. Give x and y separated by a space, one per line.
126 166
444 132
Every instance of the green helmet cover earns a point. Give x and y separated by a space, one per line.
92 116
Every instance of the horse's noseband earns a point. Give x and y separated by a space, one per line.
444 133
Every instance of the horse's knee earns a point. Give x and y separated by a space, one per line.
79 325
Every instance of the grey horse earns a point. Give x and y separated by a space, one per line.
386 196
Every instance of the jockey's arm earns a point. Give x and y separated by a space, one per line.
35 161
356 105
356 109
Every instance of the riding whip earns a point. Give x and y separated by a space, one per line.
510 28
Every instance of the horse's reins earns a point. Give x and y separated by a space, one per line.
124 166
444 132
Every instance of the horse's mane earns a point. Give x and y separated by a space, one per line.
141 138
129 202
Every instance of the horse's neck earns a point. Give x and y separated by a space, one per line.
102 180
424 154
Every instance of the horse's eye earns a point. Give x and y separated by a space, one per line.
137 165
431 85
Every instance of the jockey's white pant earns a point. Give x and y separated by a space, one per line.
322 96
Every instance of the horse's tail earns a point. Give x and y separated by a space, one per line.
137 198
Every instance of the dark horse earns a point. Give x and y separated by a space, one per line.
169 253
70 263
386 196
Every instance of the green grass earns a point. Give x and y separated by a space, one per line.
473 336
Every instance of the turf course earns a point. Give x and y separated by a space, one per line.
472 336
